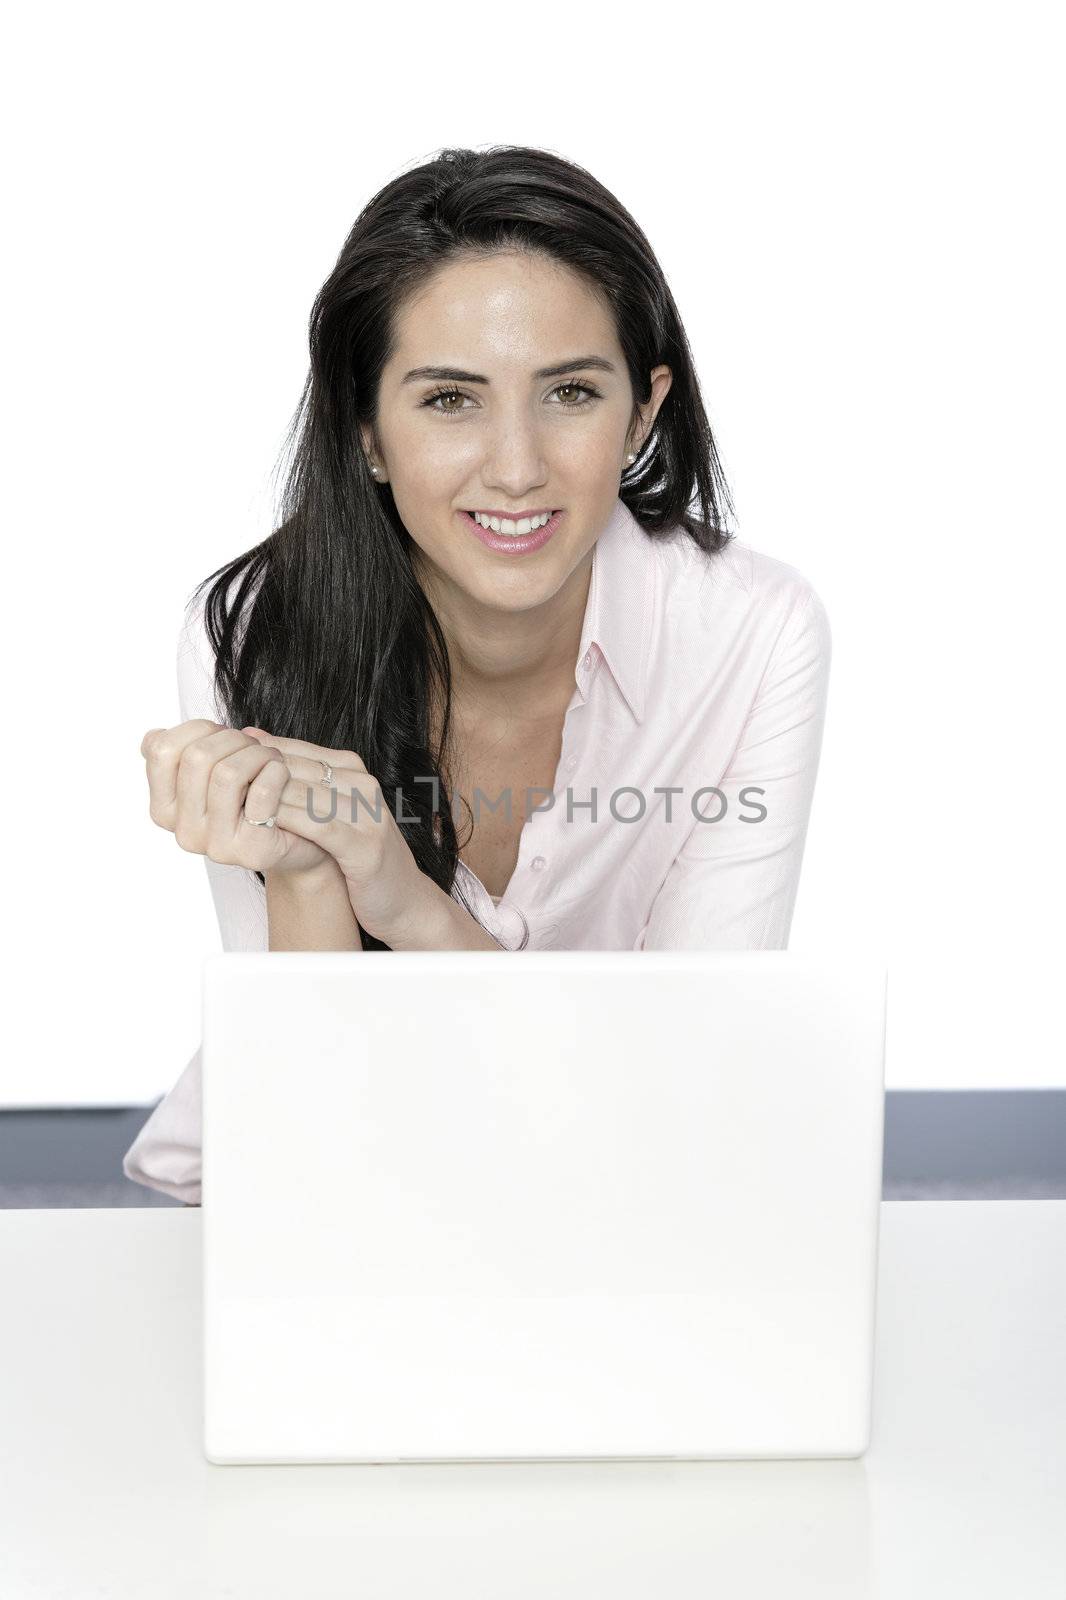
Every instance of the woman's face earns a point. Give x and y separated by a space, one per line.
502 437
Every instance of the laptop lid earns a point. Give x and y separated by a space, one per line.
540 1205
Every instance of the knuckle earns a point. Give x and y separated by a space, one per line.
159 747
224 775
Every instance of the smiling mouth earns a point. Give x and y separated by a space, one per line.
511 516
521 534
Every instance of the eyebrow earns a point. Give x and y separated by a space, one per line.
457 375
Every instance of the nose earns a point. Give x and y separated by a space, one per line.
515 461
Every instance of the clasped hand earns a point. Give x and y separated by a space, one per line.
208 784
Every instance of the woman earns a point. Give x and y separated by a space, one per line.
616 704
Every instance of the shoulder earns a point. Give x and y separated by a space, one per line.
787 595
196 664
194 634
193 640
196 659
737 582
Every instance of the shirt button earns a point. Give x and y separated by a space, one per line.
588 658
538 863
571 761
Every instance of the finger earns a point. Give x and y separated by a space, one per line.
159 742
330 833
263 799
244 784
163 749
313 753
307 770
197 762
354 827
327 815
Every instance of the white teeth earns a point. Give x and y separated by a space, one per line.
505 525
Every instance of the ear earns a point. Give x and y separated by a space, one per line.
661 380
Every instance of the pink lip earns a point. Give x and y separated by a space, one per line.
517 544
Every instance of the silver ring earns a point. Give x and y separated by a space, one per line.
268 823
328 779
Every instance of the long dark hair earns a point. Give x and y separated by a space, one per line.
322 632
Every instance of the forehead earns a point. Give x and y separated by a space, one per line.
511 308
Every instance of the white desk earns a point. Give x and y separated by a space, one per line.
104 1490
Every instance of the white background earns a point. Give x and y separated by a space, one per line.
859 213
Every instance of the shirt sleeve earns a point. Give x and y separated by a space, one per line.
239 897
166 1152
733 885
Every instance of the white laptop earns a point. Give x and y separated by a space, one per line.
469 1206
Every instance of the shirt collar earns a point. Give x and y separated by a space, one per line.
618 611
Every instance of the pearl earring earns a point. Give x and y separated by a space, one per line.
630 458
374 470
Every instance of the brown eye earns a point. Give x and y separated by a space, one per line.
435 400
578 388
444 394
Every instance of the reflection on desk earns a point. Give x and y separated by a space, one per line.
105 1490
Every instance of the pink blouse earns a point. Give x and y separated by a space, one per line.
678 820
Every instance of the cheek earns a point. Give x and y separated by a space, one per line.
590 451
429 453
596 437
425 483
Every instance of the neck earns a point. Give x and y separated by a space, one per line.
514 665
